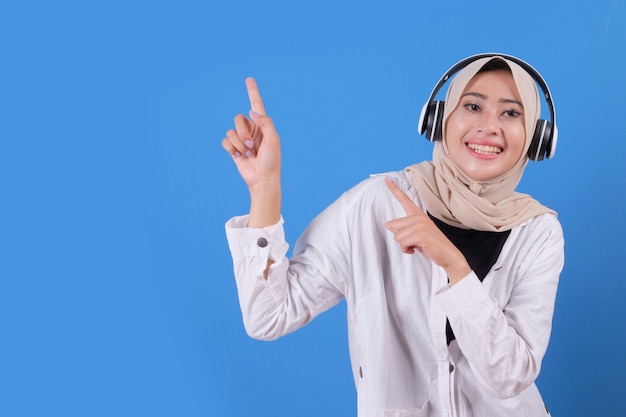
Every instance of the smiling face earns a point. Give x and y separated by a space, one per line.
485 133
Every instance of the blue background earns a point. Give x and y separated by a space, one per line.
116 288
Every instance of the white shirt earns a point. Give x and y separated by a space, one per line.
398 304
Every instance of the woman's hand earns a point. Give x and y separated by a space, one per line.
418 232
254 145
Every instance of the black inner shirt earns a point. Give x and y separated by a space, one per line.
480 248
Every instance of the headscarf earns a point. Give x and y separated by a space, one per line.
493 205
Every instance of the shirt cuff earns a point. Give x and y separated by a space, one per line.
266 242
465 298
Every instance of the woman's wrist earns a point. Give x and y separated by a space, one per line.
458 271
265 205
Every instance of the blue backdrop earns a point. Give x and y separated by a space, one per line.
116 288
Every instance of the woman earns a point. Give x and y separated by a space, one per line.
449 275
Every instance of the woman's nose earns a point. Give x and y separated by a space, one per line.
489 123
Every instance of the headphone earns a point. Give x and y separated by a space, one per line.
543 143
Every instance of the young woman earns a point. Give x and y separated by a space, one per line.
449 275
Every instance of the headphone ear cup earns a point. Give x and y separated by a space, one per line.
434 121
541 145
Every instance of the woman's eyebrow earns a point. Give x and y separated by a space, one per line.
512 101
479 95
502 100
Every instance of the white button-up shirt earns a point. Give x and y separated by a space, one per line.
398 304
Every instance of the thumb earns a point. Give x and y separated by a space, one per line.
266 125
256 118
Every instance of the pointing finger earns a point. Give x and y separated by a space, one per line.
256 103
407 204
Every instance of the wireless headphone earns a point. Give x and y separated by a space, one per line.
543 143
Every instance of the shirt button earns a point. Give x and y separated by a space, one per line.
451 368
262 242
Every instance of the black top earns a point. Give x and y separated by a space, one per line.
480 248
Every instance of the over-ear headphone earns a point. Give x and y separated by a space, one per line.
544 139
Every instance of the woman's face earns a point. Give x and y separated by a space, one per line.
485 133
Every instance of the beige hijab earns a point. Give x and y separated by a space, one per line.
451 196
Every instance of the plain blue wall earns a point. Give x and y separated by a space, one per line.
116 288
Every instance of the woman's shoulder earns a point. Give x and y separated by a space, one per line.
373 187
546 224
373 192
374 181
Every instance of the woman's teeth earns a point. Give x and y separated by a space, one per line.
484 149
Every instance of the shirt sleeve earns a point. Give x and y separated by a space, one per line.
505 345
296 290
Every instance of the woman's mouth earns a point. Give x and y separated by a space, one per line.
485 149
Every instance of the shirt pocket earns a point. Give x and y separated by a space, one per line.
415 412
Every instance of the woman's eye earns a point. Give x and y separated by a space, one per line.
512 113
472 107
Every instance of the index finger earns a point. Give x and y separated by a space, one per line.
407 204
256 103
